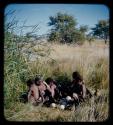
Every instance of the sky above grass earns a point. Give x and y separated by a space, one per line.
31 14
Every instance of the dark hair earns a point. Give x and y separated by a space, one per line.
49 80
38 78
30 82
77 76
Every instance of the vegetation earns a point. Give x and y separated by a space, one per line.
58 62
102 30
64 29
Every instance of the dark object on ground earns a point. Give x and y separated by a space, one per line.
24 97
64 90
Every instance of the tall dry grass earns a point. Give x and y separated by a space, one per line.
92 61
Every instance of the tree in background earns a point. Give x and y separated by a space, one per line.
83 28
90 38
64 29
101 30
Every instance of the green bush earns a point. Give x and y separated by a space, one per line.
15 71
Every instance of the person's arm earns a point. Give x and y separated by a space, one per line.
83 91
53 87
46 84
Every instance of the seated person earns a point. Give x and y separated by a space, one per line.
42 86
33 92
52 90
78 88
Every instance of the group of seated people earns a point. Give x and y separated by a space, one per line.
49 92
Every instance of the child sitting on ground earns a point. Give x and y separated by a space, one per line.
42 86
78 89
33 92
52 91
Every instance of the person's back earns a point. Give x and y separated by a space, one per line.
33 92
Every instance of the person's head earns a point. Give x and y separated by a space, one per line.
38 80
30 82
49 81
77 77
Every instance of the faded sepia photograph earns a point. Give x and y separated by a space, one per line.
56 62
